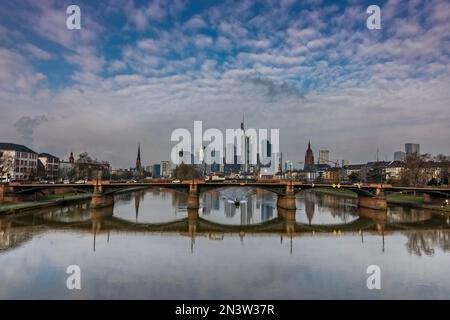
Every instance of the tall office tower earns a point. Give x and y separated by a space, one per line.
230 154
324 156
399 156
156 171
215 161
264 156
279 163
231 159
288 166
246 153
412 149
165 169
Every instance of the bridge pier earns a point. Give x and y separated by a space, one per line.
377 202
100 200
3 190
288 216
193 201
287 201
427 198
192 221
98 215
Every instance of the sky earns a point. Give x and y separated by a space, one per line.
137 70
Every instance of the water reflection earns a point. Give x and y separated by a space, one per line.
407 214
424 242
313 208
151 206
254 206
165 240
11 237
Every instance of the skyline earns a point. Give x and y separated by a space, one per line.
316 153
138 70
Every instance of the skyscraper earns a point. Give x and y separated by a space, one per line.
324 156
412 149
156 171
165 169
309 157
264 155
399 156
246 152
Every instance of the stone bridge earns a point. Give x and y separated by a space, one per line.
370 196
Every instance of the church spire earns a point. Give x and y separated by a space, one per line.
309 157
138 159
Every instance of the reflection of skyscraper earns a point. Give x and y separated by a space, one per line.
309 206
215 200
207 203
230 209
247 211
266 212
267 206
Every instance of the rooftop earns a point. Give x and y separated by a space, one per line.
15 147
47 155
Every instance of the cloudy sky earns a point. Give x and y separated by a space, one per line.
137 70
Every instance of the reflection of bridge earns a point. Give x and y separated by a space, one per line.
369 196
101 220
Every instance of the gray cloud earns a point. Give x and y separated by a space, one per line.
25 126
315 74
274 88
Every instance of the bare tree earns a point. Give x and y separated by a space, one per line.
417 171
444 168
6 164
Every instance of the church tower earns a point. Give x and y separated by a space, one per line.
309 157
138 160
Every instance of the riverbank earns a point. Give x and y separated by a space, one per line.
48 201
395 198
53 200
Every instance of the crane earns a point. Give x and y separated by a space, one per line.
336 162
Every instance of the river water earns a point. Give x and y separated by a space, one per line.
237 246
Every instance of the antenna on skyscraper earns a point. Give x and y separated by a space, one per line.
242 123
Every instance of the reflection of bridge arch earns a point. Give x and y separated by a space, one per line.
276 225
21 228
